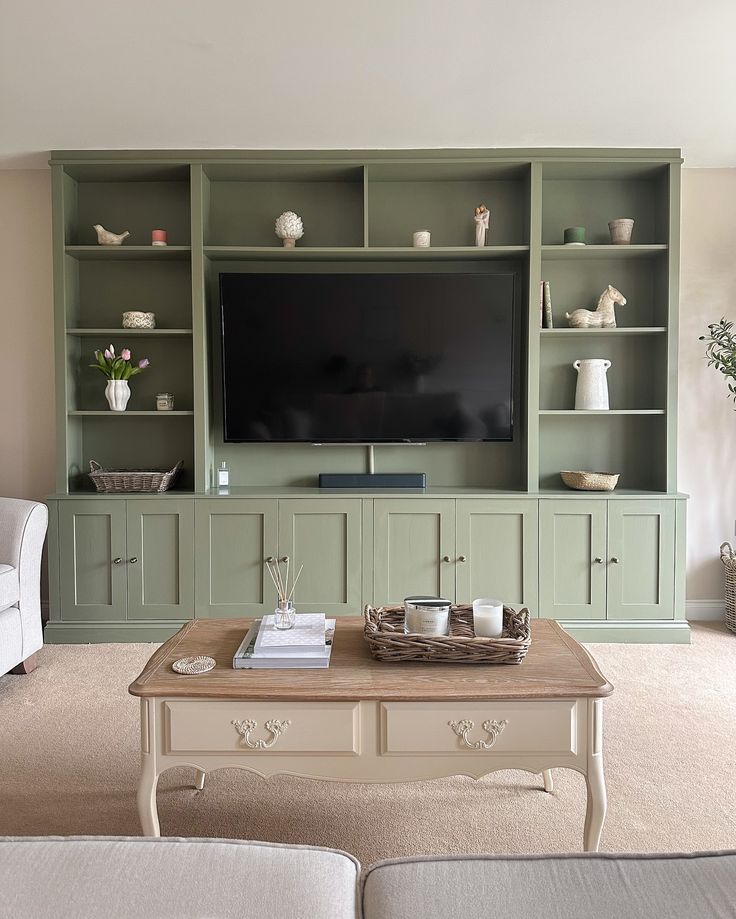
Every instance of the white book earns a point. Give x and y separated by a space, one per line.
307 635
245 657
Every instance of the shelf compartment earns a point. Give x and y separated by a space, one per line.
98 292
133 333
577 333
144 446
344 253
601 412
591 194
129 253
574 253
575 285
403 198
245 200
129 414
632 445
636 379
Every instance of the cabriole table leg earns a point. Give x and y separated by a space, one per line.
595 812
146 798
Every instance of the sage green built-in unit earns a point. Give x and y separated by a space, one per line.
496 519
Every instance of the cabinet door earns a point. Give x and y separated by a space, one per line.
411 540
324 535
497 551
572 556
233 538
92 559
160 558
641 559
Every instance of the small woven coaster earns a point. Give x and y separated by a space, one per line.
193 665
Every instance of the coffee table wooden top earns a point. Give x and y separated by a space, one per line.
555 667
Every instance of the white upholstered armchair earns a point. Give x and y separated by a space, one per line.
22 531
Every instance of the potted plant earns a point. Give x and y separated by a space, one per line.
118 369
721 351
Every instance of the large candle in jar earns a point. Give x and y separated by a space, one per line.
488 618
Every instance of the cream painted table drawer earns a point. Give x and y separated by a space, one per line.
504 727
194 726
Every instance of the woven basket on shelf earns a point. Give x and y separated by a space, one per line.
132 480
384 632
728 557
590 481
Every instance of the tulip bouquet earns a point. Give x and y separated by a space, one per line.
118 367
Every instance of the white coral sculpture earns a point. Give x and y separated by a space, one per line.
289 228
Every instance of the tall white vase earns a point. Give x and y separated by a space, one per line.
117 393
591 392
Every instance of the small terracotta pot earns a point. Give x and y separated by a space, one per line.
621 230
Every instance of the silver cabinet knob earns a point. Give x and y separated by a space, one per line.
598 561
133 560
462 558
117 561
270 559
614 560
284 558
445 558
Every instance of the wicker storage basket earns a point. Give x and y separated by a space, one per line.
728 557
590 481
384 632
132 480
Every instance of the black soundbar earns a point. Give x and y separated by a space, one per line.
362 480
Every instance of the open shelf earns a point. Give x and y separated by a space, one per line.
129 253
134 333
576 333
602 412
360 253
133 414
573 253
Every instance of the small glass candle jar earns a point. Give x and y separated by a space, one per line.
158 238
421 239
488 618
427 615
164 402
284 616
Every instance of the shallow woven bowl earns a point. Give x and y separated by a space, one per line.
590 481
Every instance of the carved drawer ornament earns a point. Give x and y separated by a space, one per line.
492 728
274 727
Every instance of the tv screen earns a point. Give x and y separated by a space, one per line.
332 358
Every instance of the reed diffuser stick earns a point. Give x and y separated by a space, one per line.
275 583
293 586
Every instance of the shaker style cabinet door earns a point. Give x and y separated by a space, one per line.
497 551
92 560
414 549
572 559
641 559
160 558
324 535
233 538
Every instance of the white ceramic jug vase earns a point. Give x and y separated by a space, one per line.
591 392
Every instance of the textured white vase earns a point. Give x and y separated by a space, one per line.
117 393
591 392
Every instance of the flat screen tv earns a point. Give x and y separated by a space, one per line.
367 358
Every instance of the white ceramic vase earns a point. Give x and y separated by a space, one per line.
117 393
591 392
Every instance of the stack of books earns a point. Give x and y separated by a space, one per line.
307 646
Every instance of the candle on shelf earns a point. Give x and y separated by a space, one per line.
158 238
488 618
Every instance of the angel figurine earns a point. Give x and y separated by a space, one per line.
482 221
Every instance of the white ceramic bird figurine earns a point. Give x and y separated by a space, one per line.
106 238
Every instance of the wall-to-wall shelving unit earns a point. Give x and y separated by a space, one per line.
360 209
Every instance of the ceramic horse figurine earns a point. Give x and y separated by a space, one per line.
603 317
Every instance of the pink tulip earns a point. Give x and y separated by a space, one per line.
144 363
112 351
125 354
109 354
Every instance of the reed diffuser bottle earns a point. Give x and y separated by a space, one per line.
284 616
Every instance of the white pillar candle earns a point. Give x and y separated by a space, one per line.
421 239
488 618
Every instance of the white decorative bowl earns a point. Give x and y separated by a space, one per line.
135 319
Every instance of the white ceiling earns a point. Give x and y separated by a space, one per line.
382 73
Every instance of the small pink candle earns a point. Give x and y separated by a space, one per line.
158 238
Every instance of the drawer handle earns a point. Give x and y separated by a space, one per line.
275 729
492 728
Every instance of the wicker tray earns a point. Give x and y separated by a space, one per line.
384 632
132 480
590 481
728 557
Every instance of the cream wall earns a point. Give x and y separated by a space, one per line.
707 418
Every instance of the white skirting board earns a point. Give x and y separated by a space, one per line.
704 609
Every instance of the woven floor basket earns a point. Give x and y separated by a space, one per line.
384 632
132 480
590 481
728 557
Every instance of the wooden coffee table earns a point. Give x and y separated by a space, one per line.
366 721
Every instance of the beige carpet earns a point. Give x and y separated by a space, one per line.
69 762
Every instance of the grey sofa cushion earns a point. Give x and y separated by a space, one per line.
9 586
698 886
169 878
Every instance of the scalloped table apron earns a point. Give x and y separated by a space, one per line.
364 720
